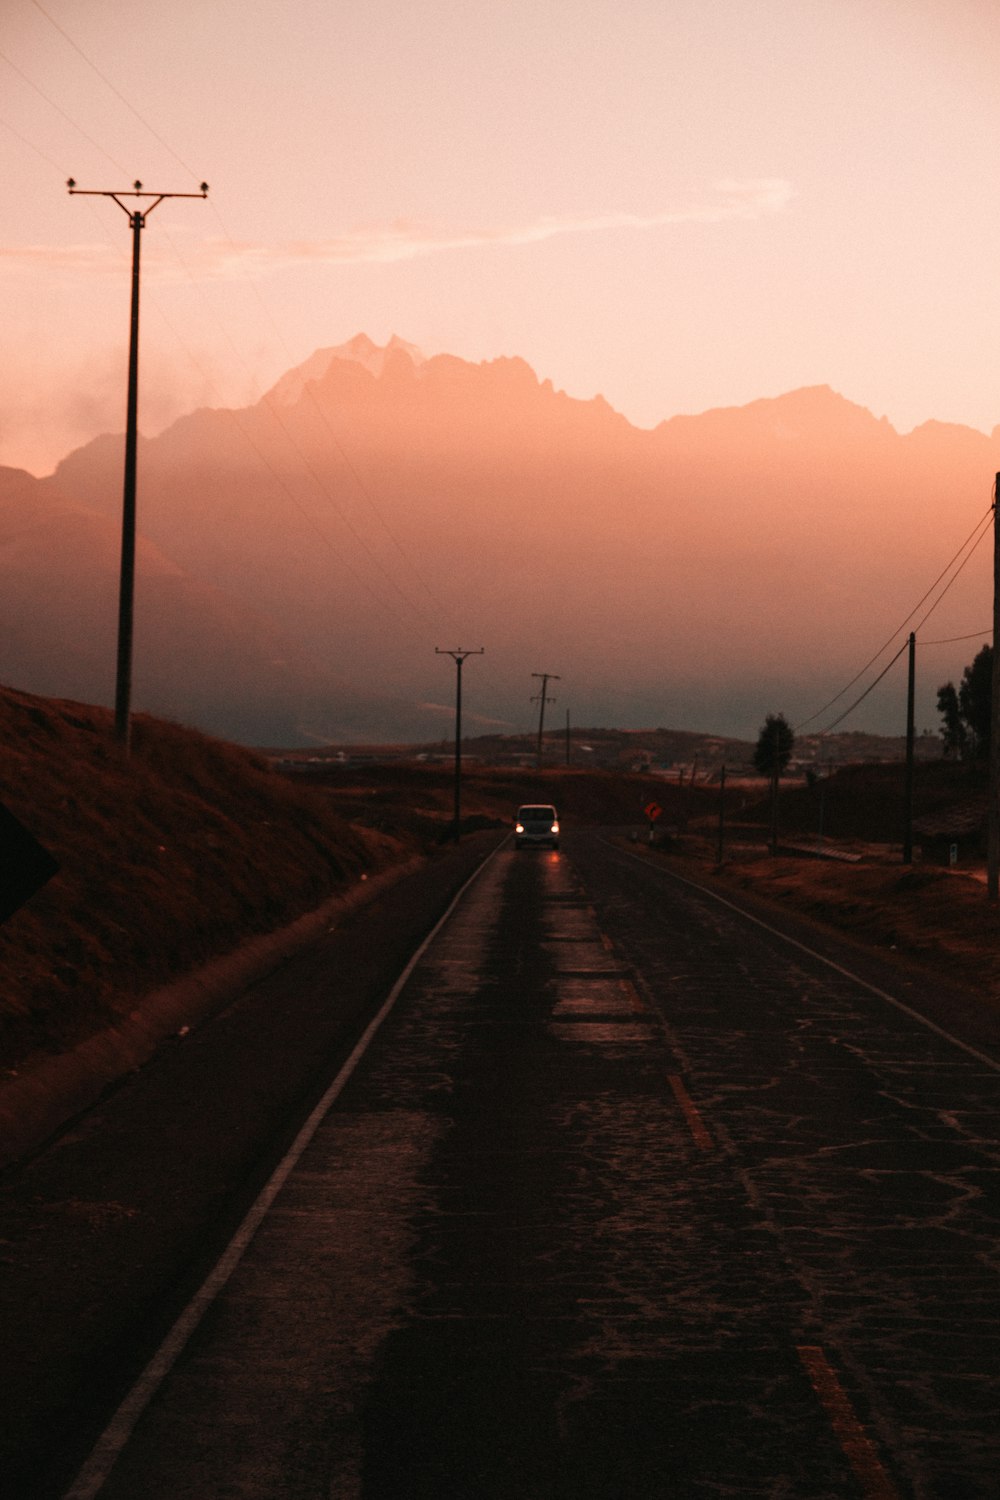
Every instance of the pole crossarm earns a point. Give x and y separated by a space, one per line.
546 678
135 191
458 653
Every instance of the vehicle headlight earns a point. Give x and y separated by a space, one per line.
555 828
518 827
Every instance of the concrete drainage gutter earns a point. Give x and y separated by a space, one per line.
51 1091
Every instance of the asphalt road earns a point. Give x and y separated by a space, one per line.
627 1197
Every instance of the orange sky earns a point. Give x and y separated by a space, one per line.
680 205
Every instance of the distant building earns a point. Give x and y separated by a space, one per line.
962 828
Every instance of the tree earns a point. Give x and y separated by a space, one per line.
954 733
773 752
774 746
967 713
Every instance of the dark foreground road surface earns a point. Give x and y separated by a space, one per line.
626 1198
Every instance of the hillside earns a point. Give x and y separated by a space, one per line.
166 860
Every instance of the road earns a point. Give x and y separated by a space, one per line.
626 1197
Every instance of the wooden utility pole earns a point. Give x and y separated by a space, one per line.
722 816
541 700
993 809
458 657
775 776
908 809
126 588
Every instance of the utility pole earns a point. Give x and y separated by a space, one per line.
908 809
126 589
993 809
567 738
458 657
775 774
541 700
722 817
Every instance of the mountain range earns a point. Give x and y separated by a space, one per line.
301 559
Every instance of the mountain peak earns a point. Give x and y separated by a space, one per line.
359 350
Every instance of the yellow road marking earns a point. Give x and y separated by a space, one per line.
632 996
695 1123
857 1446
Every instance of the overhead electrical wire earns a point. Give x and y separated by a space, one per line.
108 84
975 537
359 482
362 487
25 142
60 111
870 688
344 560
976 635
982 534
321 484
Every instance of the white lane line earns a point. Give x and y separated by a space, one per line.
873 989
858 1447
110 1445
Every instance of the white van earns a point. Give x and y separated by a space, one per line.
536 823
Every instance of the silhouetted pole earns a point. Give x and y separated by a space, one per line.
776 755
458 657
567 737
993 811
722 815
126 587
541 700
908 809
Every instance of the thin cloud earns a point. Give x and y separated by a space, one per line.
733 200
81 259
406 241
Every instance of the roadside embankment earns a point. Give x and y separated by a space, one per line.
922 913
184 869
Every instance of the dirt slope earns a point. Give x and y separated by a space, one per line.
165 859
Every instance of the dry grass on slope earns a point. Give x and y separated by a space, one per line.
166 859
940 919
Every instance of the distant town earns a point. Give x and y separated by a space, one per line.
684 755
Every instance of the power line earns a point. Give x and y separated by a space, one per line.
864 695
116 91
359 482
983 533
976 635
256 449
981 527
363 489
60 111
30 144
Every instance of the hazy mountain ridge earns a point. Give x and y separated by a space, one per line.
716 567
201 655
